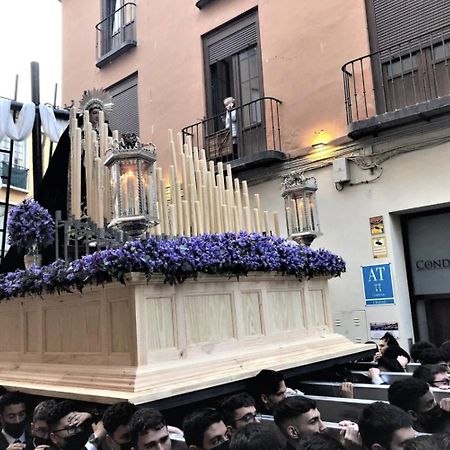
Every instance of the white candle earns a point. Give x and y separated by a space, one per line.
276 224
266 223
256 218
186 218
173 224
198 217
179 211
225 218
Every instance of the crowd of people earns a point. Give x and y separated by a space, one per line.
269 416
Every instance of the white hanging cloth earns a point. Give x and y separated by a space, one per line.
52 127
21 129
5 107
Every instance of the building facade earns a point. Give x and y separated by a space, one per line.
371 129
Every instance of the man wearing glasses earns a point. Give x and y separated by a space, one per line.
72 430
238 411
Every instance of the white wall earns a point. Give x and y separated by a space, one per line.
412 180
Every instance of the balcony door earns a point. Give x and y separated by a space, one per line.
412 45
233 69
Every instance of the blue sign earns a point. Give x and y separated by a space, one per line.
377 282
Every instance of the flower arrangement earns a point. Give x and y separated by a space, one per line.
30 226
228 254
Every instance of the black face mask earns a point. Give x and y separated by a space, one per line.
41 441
14 429
77 441
225 445
433 420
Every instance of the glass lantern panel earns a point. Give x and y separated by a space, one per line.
129 188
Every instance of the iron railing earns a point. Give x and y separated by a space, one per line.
19 175
406 74
250 129
116 30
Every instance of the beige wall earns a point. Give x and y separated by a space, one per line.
303 46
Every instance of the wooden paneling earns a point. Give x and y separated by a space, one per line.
10 331
251 310
32 333
209 318
285 309
73 328
317 308
160 317
120 326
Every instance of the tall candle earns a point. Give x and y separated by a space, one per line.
198 217
238 203
186 218
248 220
245 189
179 211
256 218
276 224
226 218
210 191
193 199
174 156
180 143
266 222
99 171
165 224
218 210
173 224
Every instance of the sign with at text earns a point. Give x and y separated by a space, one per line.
377 282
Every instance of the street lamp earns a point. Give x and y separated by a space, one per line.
133 187
299 195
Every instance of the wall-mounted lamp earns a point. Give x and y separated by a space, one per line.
320 140
299 195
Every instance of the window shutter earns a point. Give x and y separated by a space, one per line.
124 116
397 21
234 43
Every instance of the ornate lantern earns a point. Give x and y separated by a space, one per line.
133 189
299 194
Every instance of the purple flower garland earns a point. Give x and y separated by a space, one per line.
228 254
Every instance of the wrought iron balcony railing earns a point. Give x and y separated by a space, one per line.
247 135
116 33
19 175
411 73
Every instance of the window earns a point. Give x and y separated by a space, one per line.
124 116
233 64
116 33
19 172
412 40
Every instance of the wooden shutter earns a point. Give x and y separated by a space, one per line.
124 116
396 21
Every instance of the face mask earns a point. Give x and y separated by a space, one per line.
14 429
225 445
432 420
41 441
77 441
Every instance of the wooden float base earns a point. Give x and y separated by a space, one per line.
145 342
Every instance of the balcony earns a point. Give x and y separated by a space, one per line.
19 175
255 140
398 85
116 34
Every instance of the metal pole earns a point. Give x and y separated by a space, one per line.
37 146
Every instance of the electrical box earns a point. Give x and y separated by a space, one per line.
351 324
341 170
